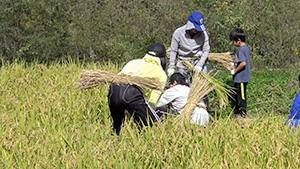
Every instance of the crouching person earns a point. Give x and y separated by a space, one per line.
132 98
176 95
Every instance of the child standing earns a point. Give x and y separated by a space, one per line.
242 70
293 120
177 95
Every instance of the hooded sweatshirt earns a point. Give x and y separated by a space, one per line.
148 66
185 47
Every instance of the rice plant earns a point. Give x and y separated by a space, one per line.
48 122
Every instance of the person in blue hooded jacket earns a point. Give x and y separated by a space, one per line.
293 119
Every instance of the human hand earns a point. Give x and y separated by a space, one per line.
233 72
170 72
197 69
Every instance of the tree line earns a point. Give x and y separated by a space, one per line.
103 30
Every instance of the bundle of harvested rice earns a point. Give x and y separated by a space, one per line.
168 52
224 59
92 78
202 85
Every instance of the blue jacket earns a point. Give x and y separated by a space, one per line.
295 113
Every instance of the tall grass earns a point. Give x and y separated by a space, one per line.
47 122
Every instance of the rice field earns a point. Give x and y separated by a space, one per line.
46 121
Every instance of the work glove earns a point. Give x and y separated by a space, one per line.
197 69
170 72
233 72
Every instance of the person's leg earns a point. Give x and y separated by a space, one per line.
118 116
235 97
200 117
116 107
138 106
241 99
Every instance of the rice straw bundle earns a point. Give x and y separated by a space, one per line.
203 84
200 87
92 78
224 59
168 52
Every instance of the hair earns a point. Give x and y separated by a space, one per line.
237 34
183 83
179 78
163 62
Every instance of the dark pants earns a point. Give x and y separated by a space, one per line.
240 98
130 98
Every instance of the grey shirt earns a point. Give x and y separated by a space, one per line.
185 47
242 55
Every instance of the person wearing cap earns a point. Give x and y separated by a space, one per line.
177 95
189 42
132 98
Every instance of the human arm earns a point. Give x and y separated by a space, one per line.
167 97
205 50
173 52
240 60
239 68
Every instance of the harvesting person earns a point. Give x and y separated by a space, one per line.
176 95
241 72
189 42
132 98
293 119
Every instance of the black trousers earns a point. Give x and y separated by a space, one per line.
130 98
240 98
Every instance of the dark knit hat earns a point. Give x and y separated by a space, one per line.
158 48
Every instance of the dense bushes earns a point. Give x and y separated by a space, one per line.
121 30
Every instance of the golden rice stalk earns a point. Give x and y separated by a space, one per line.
92 78
200 87
203 84
223 90
168 52
224 59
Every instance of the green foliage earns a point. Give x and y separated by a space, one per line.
274 32
270 90
122 30
41 27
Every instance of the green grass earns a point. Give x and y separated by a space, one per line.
47 122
